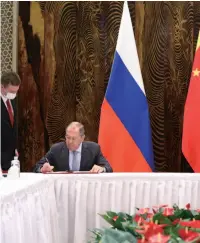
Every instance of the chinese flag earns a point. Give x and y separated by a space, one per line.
191 122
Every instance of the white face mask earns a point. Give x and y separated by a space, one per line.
10 96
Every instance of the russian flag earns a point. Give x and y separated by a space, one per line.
125 131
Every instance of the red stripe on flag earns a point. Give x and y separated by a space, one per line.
117 145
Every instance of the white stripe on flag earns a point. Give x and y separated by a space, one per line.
126 47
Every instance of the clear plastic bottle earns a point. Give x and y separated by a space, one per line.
14 171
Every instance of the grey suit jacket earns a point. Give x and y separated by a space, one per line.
58 156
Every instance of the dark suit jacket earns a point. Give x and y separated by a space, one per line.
8 136
58 156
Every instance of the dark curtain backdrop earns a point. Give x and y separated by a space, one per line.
65 55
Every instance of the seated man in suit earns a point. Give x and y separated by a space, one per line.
74 154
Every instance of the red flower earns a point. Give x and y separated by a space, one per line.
176 221
187 206
191 238
150 228
143 210
158 238
115 218
194 224
138 219
168 211
188 235
156 208
146 211
142 240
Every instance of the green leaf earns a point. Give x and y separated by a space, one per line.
111 214
161 219
171 230
175 238
197 217
144 216
161 210
130 227
108 219
116 236
118 223
183 213
132 224
195 213
125 216
97 234
175 207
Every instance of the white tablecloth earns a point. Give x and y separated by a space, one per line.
63 208
80 198
28 212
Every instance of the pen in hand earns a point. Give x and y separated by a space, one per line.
47 167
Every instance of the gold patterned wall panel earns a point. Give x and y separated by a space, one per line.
6 35
66 53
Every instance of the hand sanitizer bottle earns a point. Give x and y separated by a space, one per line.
14 171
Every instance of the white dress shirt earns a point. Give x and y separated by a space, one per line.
5 100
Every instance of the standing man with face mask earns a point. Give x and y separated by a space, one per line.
10 83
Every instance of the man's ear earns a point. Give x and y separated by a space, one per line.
2 89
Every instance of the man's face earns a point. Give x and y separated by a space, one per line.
9 89
73 138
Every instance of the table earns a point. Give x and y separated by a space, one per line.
80 198
28 212
67 206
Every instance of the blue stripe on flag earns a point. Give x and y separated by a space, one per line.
130 104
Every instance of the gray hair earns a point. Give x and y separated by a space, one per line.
77 125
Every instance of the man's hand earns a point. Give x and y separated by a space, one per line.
97 169
46 168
